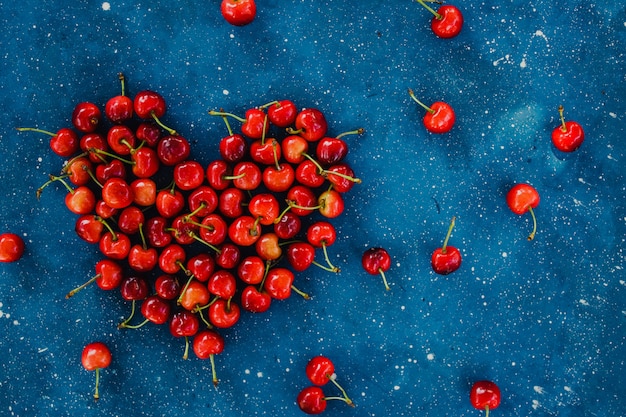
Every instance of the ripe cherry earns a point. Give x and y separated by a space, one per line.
167 287
207 344
447 21
281 113
310 124
320 370
155 309
96 356
173 149
64 142
11 247
568 136
224 313
117 194
151 105
485 395
238 12
446 259
119 108
255 301
108 276
86 117
439 116
522 198
184 324
312 400
376 261
278 283
251 270
89 228
322 234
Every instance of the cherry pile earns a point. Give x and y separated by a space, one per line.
193 245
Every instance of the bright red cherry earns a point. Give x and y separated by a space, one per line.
446 259
117 193
238 12
522 198
310 124
64 142
485 395
251 270
11 247
281 113
108 276
447 21
439 117
206 344
173 149
569 136
119 108
151 105
312 400
376 261
320 370
184 324
86 117
96 356
224 313
278 283
255 301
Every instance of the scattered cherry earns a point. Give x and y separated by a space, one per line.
11 247
569 135
446 259
522 198
376 261
485 395
439 116
96 356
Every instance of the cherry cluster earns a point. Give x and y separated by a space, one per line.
198 244
320 370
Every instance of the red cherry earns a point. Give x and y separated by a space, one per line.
278 283
146 162
130 220
142 259
376 261
156 310
322 234
172 258
149 133
228 256
188 175
309 174
96 356
173 149
278 178
218 175
439 116
446 259
11 247
113 169
144 192
81 200
169 203
301 200
184 228
202 201
155 232
333 150
238 12
78 170
64 143
222 284
265 151
310 124
320 370
213 229
522 198
224 313
86 117
331 204
167 287
206 344
311 400
121 139
256 125
281 113
251 270
244 231
485 395
108 276
268 247
300 255
119 108
194 295
569 136
89 228
116 193
265 207
288 226
151 105
92 143
255 301
184 324
294 148
246 176
115 245
104 211
233 147
447 21
231 202
201 266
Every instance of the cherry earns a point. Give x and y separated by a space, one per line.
278 283
568 136
376 261
244 231
172 258
224 313
89 228
202 201
113 169
231 202
447 21
265 207
81 200
206 344
322 234
255 301
149 133
146 162
156 234
233 147
301 200
194 295
155 310
169 202
223 284
309 174
167 287
173 149
294 148
188 175
446 259
117 194
130 220
332 150
218 174
92 143
228 256
251 270
119 109
64 142
278 178
142 258
287 226
238 12
485 395
246 176
522 198
320 370
281 113
312 400
11 247
265 151
341 176
300 255
268 247
78 170
115 245
331 204
86 117
144 192
121 139
151 105
184 324
104 211
439 116
96 356
108 276
310 124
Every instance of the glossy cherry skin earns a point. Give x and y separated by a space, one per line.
223 314
251 270
201 266
288 226
155 232
329 150
195 294
81 201
207 343
119 109
568 138
300 255
96 355
78 170
86 117
156 309
450 23
376 259
255 301
311 400
149 133
121 139
91 142
11 247
188 175
279 178
173 149
440 118
109 274
233 147
485 395
167 287
311 124
446 261
146 162
522 196
65 142
148 104
278 283
117 193
184 324
319 370
202 201
256 125
87 228
144 192
244 231
282 113
238 12
134 288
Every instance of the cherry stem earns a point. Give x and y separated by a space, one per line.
34 129
96 395
143 238
275 102
132 314
75 290
263 132
226 114
180 297
531 236
486 411
109 228
563 126
343 391
121 77
156 119
186 353
230 130
93 177
358 131
445 242
327 172
300 293
204 320
135 326
213 372
430 9
53 178
110 155
275 152
325 268
201 207
199 239
382 274
428 109
336 269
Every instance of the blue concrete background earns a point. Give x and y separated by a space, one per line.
545 320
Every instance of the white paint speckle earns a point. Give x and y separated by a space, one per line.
106 6
225 92
430 356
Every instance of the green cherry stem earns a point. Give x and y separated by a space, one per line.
34 129
486 411
96 394
445 242
160 123
531 236
561 110
226 114
412 94
343 391
300 292
358 131
430 9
